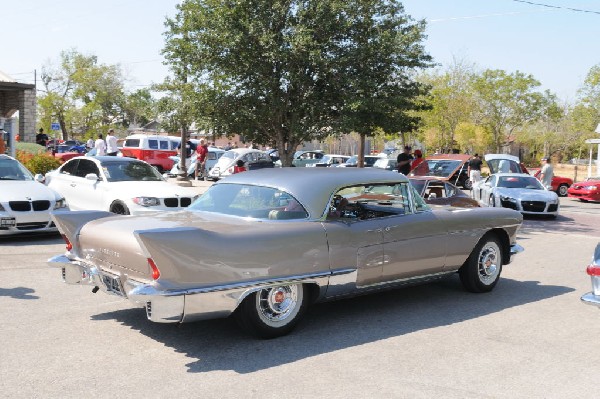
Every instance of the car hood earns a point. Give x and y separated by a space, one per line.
159 189
527 194
19 190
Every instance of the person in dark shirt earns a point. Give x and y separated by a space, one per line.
474 168
41 138
404 160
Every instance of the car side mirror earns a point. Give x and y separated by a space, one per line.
39 178
92 177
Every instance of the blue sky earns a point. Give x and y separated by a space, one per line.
555 45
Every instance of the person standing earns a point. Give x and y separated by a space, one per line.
41 138
90 143
418 159
547 173
111 144
100 146
474 169
201 156
404 160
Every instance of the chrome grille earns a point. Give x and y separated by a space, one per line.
26 206
177 202
20 206
171 202
533 206
40 205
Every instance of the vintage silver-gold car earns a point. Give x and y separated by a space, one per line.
263 245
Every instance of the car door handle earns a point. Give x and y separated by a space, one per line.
375 231
73 185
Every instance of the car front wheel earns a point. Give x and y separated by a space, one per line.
482 269
272 312
119 208
562 190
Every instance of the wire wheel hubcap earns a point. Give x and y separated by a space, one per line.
277 304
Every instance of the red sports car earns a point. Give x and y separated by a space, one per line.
588 190
559 184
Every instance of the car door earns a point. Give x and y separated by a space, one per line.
86 194
487 189
62 179
414 241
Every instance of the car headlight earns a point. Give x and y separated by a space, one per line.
591 188
60 203
146 201
509 199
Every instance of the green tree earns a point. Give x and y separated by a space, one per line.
284 72
451 102
506 102
82 95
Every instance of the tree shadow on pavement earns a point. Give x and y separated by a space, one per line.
331 326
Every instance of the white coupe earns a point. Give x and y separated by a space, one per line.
25 204
117 184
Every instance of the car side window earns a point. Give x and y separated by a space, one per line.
370 201
153 144
492 180
70 167
86 167
164 144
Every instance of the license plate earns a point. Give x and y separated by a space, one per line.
7 222
113 284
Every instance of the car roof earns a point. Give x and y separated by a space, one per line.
108 159
313 187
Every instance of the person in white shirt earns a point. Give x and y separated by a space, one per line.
100 146
90 143
111 144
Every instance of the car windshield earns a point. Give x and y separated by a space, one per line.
13 170
249 201
130 171
519 182
436 167
419 185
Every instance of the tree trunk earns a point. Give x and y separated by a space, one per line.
361 151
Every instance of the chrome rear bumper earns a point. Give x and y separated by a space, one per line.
176 306
591 299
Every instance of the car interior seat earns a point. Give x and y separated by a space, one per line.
436 191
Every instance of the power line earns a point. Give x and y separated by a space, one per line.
557 7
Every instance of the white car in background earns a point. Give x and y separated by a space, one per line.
117 184
213 156
25 204
252 159
518 191
330 160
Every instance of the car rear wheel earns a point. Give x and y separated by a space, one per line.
562 190
467 184
272 312
482 269
119 208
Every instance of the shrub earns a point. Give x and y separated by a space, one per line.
31 148
40 162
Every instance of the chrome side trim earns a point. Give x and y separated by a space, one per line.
408 279
591 299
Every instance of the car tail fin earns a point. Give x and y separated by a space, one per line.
70 222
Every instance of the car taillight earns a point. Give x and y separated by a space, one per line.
593 270
69 245
155 271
